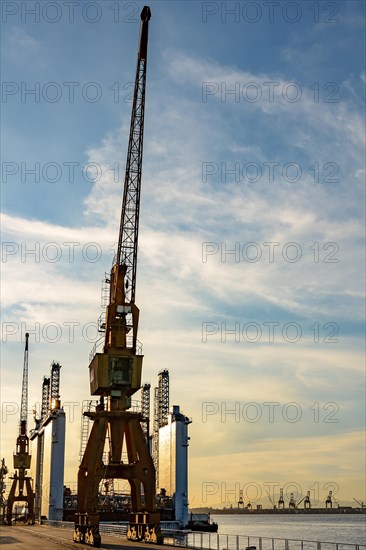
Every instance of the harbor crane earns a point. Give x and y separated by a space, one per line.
281 501
3 473
292 502
328 500
361 504
306 500
115 374
22 457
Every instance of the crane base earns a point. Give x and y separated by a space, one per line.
18 484
145 527
87 530
142 527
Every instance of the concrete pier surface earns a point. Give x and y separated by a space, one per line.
41 537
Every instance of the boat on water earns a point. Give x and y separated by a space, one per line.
202 522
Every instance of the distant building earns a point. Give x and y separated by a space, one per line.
173 462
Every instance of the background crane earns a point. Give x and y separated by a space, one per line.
3 473
115 374
22 458
281 501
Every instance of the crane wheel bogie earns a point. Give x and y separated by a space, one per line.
145 527
86 535
145 533
78 536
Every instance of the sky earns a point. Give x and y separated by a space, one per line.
250 278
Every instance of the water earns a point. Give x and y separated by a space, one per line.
320 527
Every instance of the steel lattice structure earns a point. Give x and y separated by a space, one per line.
24 400
55 381
125 320
45 397
161 411
145 408
156 410
155 449
128 236
163 398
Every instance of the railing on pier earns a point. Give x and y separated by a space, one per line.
214 541
198 540
112 529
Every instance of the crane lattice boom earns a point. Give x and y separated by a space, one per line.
24 399
128 235
122 314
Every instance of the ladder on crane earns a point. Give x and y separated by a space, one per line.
85 427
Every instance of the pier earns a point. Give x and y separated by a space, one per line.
45 537
52 535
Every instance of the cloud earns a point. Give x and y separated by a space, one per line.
22 46
179 288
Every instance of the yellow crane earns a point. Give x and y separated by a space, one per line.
115 374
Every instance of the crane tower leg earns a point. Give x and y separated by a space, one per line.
20 496
125 430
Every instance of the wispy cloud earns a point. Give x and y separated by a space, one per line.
20 45
178 291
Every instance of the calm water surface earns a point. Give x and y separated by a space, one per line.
320 527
